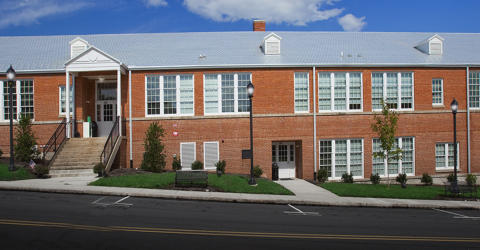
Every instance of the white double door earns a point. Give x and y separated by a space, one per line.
106 107
283 153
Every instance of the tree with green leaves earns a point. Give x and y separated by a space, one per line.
385 125
25 142
153 157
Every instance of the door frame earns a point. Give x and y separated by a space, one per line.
102 102
289 151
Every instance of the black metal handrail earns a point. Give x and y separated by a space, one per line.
50 149
110 143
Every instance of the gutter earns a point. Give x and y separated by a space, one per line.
314 127
468 121
130 115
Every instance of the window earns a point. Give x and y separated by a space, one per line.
301 91
63 99
405 165
437 91
395 88
22 96
226 93
474 89
444 156
187 154
342 156
169 95
340 91
211 155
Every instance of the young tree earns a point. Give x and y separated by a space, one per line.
385 125
25 149
153 157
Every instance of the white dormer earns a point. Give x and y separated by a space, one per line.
432 46
271 44
78 46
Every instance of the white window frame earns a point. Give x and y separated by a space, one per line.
399 89
219 92
60 113
204 154
19 99
471 78
162 98
333 177
441 91
347 91
308 92
194 153
400 167
447 167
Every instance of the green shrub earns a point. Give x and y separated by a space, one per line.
401 178
41 170
257 171
25 143
322 175
471 179
347 178
197 165
176 164
451 178
98 168
427 179
153 157
375 179
221 166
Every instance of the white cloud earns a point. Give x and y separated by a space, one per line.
296 12
155 3
30 11
351 23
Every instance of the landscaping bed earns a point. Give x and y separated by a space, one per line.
225 183
19 174
394 191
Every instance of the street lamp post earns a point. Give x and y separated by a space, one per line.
11 81
250 89
454 107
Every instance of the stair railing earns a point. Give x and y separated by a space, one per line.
110 143
55 142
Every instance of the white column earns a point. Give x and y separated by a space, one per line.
119 100
67 102
74 119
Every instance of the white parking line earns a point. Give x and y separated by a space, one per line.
116 203
457 215
124 198
299 212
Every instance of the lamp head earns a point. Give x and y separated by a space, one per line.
454 106
11 74
250 89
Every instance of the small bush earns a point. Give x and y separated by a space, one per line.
257 171
221 166
375 179
322 175
153 157
451 178
98 168
347 178
471 179
176 164
401 178
25 143
1 153
427 179
41 170
197 165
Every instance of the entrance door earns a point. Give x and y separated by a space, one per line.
106 107
283 153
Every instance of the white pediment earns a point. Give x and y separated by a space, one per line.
92 59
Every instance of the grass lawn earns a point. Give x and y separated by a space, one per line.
19 174
382 191
226 183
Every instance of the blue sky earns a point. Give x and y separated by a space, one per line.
56 17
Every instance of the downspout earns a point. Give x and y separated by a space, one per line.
468 121
130 114
314 127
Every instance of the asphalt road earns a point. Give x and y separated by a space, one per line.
62 221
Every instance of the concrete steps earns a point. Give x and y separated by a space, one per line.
78 157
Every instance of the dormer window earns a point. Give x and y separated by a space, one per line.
271 44
77 47
431 46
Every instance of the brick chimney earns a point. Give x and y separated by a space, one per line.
258 25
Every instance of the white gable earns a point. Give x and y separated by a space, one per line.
271 44
77 47
92 60
431 46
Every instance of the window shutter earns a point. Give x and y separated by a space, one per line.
211 154
187 154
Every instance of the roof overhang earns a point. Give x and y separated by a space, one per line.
94 59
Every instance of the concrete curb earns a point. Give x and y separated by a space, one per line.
258 198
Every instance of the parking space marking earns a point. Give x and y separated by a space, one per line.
457 215
117 203
300 212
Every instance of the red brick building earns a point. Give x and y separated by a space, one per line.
315 96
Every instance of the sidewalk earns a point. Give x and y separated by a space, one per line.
305 194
